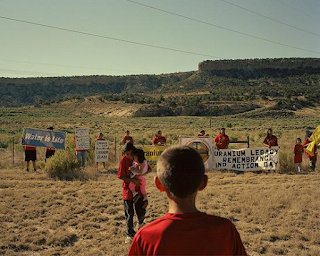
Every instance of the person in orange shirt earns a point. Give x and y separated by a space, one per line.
127 138
184 230
159 139
270 140
222 140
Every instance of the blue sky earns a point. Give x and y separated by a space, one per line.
27 50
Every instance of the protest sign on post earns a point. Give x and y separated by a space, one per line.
203 145
248 159
101 151
82 139
43 138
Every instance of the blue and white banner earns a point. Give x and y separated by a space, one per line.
44 138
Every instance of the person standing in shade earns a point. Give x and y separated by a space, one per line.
49 151
100 137
312 159
126 138
80 153
270 140
159 139
298 152
129 206
30 155
222 140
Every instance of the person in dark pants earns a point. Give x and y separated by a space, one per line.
50 151
129 207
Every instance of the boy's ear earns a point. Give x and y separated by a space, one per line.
203 183
159 184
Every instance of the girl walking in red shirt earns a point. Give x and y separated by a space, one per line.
298 152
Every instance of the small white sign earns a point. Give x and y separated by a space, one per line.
102 151
82 139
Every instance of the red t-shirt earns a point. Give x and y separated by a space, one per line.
314 150
29 148
51 149
124 165
158 139
273 141
188 234
222 141
126 139
298 151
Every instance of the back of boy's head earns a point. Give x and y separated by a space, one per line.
180 170
140 154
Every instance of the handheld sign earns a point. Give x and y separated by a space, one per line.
101 151
82 139
43 138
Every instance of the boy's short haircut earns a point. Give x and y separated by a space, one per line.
128 147
180 170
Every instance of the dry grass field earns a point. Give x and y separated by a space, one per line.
276 214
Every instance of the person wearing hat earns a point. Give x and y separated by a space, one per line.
49 151
312 159
126 138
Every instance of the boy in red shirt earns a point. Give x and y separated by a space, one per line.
222 140
298 152
184 230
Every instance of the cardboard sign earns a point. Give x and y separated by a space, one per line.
82 139
44 138
248 159
101 151
203 145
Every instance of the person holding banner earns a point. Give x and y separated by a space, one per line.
80 153
159 139
129 206
30 155
270 140
49 151
126 138
100 137
222 140
312 155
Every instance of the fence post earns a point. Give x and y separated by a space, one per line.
115 149
13 151
248 141
210 122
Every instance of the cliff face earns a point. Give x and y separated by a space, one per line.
260 64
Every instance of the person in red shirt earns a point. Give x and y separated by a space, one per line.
126 138
30 155
129 207
159 139
184 230
270 140
222 140
312 159
298 152
49 151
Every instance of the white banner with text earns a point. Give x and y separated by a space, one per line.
248 159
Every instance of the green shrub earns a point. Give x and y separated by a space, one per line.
64 166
